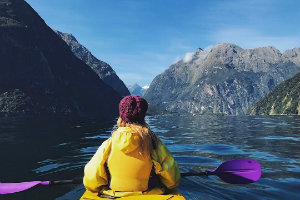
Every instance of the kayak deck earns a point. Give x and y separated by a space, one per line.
94 196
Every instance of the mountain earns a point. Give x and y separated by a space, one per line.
40 75
283 100
135 89
224 80
293 55
104 70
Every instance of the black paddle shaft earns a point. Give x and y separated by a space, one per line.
206 173
62 182
79 181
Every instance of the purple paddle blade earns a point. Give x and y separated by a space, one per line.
7 188
239 171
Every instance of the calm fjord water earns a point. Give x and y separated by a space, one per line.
55 149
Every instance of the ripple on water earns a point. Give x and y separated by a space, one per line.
280 138
63 144
49 167
98 137
194 160
89 149
270 157
219 149
292 168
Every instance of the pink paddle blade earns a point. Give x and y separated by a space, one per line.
239 171
8 188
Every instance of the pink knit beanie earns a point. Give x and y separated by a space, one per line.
133 109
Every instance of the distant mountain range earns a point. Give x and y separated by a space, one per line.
104 70
224 80
39 74
135 89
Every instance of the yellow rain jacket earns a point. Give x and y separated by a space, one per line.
128 167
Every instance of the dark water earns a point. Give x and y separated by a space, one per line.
55 149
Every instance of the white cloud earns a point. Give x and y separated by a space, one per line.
188 57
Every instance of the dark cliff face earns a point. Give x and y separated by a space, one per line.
40 75
104 70
224 80
283 100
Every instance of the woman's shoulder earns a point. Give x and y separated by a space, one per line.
124 133
125 139
123 130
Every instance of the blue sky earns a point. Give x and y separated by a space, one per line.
142 38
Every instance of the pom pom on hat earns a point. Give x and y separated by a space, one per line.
133 109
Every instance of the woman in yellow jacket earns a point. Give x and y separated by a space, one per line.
133 160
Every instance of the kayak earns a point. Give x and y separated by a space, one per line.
94 196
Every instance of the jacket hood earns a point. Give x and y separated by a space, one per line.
125 139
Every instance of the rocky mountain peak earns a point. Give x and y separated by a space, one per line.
293 54
136 89
198 51
135 85
66 36
268 53
225 46
222 55
221 52
225 49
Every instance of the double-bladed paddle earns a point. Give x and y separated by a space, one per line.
239 171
